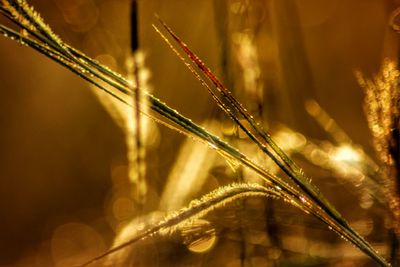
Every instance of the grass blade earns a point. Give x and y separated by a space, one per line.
114 84
197 209
227 102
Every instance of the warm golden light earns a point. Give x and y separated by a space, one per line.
346 153
214 133
73 243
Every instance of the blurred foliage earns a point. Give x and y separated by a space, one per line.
65 190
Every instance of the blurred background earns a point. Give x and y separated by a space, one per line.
65 194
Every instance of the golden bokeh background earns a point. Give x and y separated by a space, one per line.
64 191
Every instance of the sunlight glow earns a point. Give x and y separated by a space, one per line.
346 153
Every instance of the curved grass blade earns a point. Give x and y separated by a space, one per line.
197 209
85 71
20 13
227 102
107 80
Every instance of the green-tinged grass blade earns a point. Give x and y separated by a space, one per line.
192 129
7 32
277 154
29 19
91 71
228 103
197 209
25 17
154 103
284 162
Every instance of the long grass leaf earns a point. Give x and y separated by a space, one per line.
197 209
256 133
118 87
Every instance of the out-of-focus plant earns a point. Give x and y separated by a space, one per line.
382 108
298 190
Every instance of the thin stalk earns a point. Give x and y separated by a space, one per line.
197 209
97 74
137 175
260 137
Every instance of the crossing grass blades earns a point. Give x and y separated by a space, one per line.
31 30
